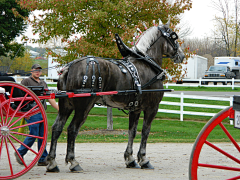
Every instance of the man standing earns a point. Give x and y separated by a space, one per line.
36 129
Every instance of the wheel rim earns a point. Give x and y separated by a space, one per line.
211 160
10 136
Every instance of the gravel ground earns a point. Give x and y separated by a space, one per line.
104 161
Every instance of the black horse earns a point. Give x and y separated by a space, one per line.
139 70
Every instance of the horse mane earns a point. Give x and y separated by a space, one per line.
146 39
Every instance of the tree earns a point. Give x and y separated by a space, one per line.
19 63
12 25
88 27
227 25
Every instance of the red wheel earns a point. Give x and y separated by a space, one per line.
13 108
216 160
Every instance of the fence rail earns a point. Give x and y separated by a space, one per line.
182 104
18 79
198 82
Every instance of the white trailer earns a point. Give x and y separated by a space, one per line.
53 69
53 66
195 67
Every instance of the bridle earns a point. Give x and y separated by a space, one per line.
170 37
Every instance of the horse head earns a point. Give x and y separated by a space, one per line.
171 46
158 41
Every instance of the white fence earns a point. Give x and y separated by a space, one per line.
18 79
198 82
182 104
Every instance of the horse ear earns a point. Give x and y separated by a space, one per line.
160 22
168 23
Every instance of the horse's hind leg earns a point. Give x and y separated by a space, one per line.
149 115
82 109
65 109
133 122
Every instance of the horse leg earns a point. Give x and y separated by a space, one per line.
142 159
64 112
133 122
78 120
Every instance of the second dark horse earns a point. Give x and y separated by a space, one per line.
152 45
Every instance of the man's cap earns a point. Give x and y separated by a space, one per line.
35 66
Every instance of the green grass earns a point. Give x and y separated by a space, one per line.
165 130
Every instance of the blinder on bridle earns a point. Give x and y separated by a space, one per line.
171 38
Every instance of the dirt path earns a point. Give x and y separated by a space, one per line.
104 161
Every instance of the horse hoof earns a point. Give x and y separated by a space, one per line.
147 166
54 170
76 169
133 165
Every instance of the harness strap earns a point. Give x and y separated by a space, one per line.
160 76
91 60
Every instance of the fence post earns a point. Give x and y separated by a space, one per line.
200 81
232 83
109 119
231 101
166 85
15 78
181 107
45 78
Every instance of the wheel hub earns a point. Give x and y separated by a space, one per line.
4 130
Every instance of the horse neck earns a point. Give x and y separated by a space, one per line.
156 53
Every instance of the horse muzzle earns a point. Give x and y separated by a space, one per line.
178 57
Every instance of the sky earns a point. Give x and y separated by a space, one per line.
199 18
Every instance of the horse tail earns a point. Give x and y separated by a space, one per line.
63 79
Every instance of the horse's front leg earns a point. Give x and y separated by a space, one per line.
132 131
142 159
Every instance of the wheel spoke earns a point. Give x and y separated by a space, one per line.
8 106
19 106
17 152
24 115
9 159
229 136
23 144
1 147
218 167
234 178
223 152
28 135
28 124
1 111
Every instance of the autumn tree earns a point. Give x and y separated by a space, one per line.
88 27
19 63
12 24
227 25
